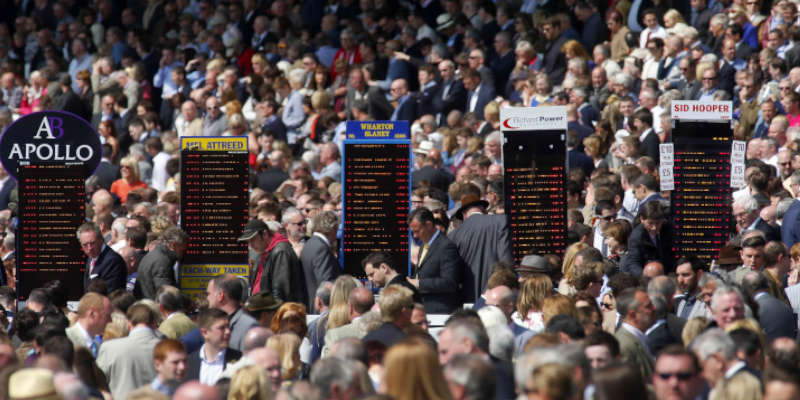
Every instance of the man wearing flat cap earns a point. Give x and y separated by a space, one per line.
482 240
262 306
278 271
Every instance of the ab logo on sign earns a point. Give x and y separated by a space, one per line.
50 137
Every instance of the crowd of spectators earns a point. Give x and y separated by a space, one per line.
620 314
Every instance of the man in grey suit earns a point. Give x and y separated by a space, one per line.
128 361
225 292
482 240
638 314
317 258
776 318
360 302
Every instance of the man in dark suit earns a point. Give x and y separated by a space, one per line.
107 112
643 123
790 228
776 317
660 335
650 240
224 292
106 172
430 171
101 261
357 89
701 17
439 267
381 272
214 356
594 27
575 157
503 63
478 94
428 87
406 105
271 179
317 259
555 62
69 101
7 185
482 241
451 95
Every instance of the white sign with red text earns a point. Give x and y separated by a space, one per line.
533 118
701 110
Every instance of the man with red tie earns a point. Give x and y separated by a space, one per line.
101 261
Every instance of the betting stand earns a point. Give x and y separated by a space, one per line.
376 192
214 209
50 154
701 198
534 159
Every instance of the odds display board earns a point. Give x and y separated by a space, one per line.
214 209
51 205
376 192
701 199
534 159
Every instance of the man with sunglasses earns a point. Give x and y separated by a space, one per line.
677 375
605 215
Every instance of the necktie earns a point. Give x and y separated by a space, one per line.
91 265
424 253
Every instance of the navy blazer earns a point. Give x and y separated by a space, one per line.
790 229
775 317
106 173
109 267
406 111
594 31
641 250
193 363
5 192
455 99
440 274
577 159
485 95
425 99
649 147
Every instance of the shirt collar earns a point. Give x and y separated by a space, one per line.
734 369
219 358
324 239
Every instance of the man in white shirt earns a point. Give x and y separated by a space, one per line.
155 148
652 30
214 356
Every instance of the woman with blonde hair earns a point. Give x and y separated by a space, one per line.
591 146
556 304
564 287
129 169
673 19
540 89
250 383
287 345
412 372
339 308
529 303
693 328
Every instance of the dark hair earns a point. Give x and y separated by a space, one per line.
746 341
61 347
39 295
377 258
651 210
423 215
603 338
619 381
230 286
695 262
754 241
563 323
25 323
676 350
121 299
208 316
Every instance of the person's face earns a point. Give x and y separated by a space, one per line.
492 148
91 243
652 226
626 108
397 90
675 378
687 278
743 217
172 368
421 231
612 25
218 334
448 347
773 40
753 257
598 78
785 163
645 313
729 309
257 243
613 244
729 50
212 295
780 390
651 21
709 79
296 227
446 71
549 31
99 318
212 107
475 60
697 5
375 274
273 368
599 356
419 318
606 217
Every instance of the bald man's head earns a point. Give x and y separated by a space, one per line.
269 360
255 338
503 298
361 301
194 390
653 269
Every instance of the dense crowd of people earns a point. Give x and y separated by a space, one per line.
619 314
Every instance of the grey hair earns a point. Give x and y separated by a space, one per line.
719 19
714 341
782 207
288 213
118 225
722 291
326 222
350 348
297 75
501 341
495 136
747 202
662 285
709 278
332 370
569 355
472 331
9 241
324 292
474 374
660 304
623 79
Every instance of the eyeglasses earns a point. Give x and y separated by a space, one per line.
607 306
682 376
301 223
710 78
607 217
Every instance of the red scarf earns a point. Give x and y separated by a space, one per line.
276 238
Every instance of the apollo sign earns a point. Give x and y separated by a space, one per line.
50 137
